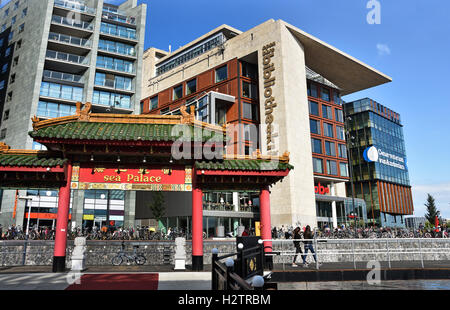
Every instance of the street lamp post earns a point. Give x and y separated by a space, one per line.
26 198
349 140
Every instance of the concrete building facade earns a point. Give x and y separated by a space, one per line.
284 59
64 52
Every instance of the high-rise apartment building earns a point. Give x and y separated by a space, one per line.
55 53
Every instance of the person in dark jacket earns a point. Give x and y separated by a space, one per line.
308 245
298 248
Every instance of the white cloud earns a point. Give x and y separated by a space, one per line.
383 49
441 194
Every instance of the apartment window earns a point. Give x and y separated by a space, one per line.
18 44
11 35
165 111
191 87
342 148
16 61
16 5
312 90
6 115
21 28
221 74
330 148
331 167
3 134
24 12
316 146
154 103
50 109
317 165
1 42
313 108
177 92
340 133
3 27
2 84
250 111
6 13
343 167
327 112
9 96
13 78
4 68
13 20
339 115
328 130
61 91
111 99
249 70
8 52
325 94
141 106
314 126
249 90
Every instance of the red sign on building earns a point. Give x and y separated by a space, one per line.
153 178
322 190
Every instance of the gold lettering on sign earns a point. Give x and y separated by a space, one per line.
269 104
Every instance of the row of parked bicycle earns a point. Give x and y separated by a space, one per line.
366 233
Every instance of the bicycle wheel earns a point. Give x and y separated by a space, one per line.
117 261
140 259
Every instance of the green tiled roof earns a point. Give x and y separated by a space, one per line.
30 160
243 164
121 132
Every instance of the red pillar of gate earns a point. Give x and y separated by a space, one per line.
264 209
59 254
197 229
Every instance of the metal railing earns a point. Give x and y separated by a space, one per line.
119 32
119 17
387 248
68 77
117 50
116 67
243 273
66 57
72 22
69 39
79 7
114 85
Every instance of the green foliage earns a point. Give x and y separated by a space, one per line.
157 206
432 211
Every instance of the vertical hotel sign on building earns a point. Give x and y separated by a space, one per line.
268 53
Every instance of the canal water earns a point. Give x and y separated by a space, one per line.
364 285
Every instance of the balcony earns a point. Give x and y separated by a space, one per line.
116 68
78 7
114 85
216 206
121 32
62 38
118 50
61 76
120 17
66 57
59 20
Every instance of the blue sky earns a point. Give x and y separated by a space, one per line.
410 45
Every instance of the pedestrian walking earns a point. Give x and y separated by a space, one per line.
308 246
298 248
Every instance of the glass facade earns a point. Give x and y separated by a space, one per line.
111 99
380 168
103 207
191 53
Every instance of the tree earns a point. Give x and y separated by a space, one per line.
157 206
432 211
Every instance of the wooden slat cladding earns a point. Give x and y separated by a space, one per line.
394 198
